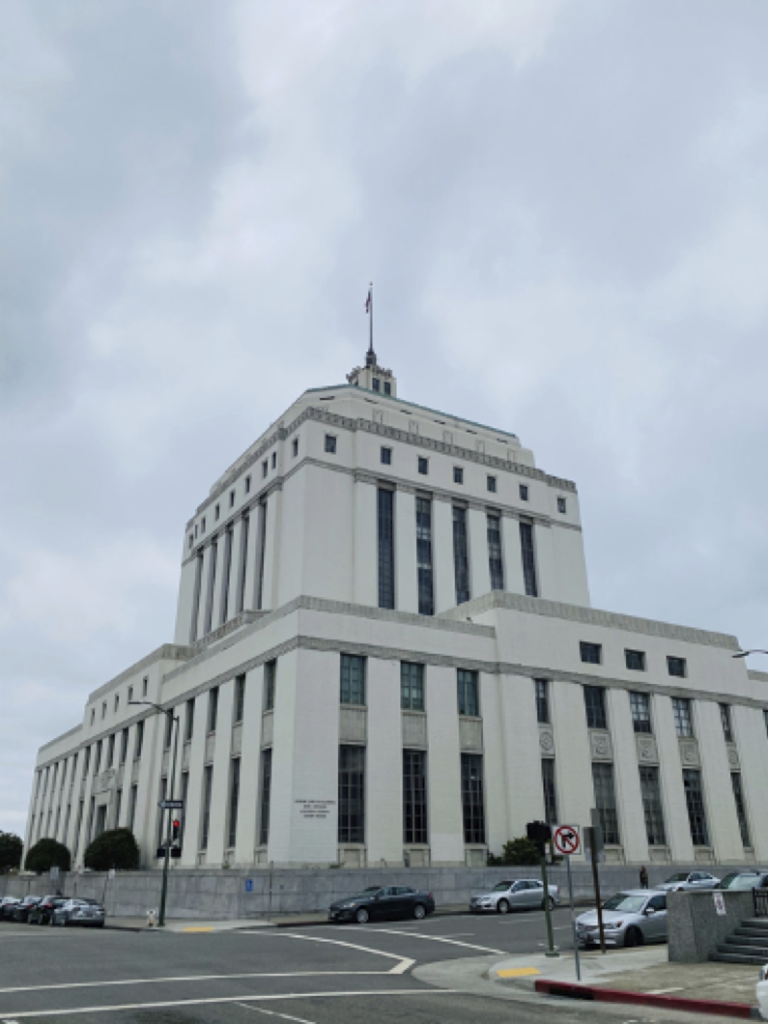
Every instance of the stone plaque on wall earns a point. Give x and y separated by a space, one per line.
600 743
546 739
646 749
689 753
733 754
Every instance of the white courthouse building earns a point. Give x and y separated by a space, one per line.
385 652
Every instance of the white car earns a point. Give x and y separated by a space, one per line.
516 894
688 880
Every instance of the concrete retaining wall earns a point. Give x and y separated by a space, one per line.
695 927
222 894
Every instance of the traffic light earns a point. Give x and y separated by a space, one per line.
539 834
176 827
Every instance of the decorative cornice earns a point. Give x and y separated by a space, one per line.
498 599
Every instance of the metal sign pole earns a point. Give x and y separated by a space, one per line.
573 920
552 951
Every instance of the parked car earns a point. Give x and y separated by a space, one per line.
7 903
630 918
688 880
22 909
382 901
744 880
518 894
42 912
79 911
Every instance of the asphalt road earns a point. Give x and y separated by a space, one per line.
327 974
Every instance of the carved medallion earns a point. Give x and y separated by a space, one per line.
546 740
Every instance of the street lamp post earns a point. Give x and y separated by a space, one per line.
744 654
168 712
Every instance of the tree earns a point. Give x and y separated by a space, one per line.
47 854
11 848
520 851
116 848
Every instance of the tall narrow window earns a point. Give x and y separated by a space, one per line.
195 602
414 796
725 718
110 750
605 801
123 746
266 793
270 678
495 562
213 708
694 799
212 559
386 508
234 798
243 564
118 803
261 554
131 808
681 708
184 794
469 697
226 576
207 787
352 679
351 794
472 806
87 758
741 810
460 556
529 559
424 556
542 700
652 810
550 793
239 706
139 740
168 731
411 686
594 704
640 706
189 720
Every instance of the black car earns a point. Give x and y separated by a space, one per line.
42 912
7 903
382 902
21 910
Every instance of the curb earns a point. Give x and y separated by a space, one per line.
599 994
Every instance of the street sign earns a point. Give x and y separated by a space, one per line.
249 885
171 805
54 874
719 903
567 839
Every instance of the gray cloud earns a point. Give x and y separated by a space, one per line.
563 208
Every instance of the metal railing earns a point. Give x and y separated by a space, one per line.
760 902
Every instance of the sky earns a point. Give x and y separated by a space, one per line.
563 206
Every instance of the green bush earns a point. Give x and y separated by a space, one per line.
114 849
11 849
47 854
519 852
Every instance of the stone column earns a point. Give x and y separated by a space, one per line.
250 767
629 800
443 571
446 826
272 550
366 543
477 537
749 729
676 822
722 821
219 824
513 559
406 567
193 810
384 768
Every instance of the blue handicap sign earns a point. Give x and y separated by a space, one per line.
249 885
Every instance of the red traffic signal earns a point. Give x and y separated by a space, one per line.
176 827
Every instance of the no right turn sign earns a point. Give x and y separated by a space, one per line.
567 839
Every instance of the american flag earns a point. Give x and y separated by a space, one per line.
369 301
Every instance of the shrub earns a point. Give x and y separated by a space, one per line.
11 848
520 851
47 854
116 848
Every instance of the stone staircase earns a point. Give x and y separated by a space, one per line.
747 945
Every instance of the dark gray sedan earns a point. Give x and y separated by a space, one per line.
77 911
377 902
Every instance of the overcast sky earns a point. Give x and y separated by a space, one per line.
563 206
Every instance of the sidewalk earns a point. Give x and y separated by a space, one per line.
640 976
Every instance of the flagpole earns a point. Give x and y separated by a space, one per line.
370 322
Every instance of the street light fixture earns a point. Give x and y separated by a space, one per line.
744 654
168 712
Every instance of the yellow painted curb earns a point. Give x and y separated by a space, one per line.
199 929
518 972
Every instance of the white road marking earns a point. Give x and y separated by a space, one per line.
437 938
187 979
274 1013
663 991
401 968
239 999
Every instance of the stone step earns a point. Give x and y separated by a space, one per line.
738 958
744 937
755 923
734 947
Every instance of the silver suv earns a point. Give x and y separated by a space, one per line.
630 918
516 894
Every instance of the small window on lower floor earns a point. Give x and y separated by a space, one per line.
592 654
561 505
423 466
458 475
492 484
274 460
635 660
386 456
295 447
676 667
330 443
523 492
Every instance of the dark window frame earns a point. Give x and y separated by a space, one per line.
468 692
353 679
